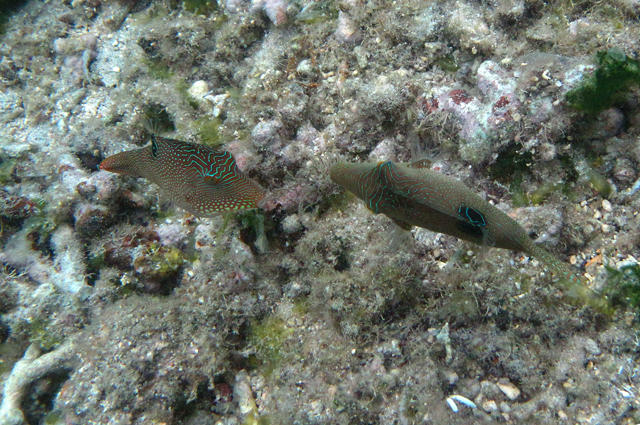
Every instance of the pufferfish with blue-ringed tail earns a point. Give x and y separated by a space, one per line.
411 195
197 178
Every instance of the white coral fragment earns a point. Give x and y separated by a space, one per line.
451 401
30 368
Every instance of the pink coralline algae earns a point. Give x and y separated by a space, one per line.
503 109
276 10
287 199
480 117
501 103
459 96
429 105
16 207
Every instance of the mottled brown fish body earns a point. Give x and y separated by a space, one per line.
197 178
423 198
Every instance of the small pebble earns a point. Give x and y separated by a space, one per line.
451 377
198 89
489 406
218 102
591 347
606 205
624 171
511 391
489 389
305 68
346 29
242 393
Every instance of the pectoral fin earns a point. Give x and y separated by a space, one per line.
402 224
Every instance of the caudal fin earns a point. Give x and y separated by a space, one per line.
575 286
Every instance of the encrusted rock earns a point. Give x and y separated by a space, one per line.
291 224
92 220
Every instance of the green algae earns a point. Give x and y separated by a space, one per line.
198 7
447 63
623 286
54 417
318 11
253 230
538 196
125 286
599 183
511 164
95 263
183 88
510 168
209 132
40 334
169 261
158 69
301 306
254 419
268 337
39 228
614 75
519 197
160 262
7 166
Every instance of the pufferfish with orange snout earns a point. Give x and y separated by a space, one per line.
201 180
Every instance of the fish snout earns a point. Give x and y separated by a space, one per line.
122 163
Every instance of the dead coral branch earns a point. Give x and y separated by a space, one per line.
30 368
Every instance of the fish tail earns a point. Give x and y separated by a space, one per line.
575 285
